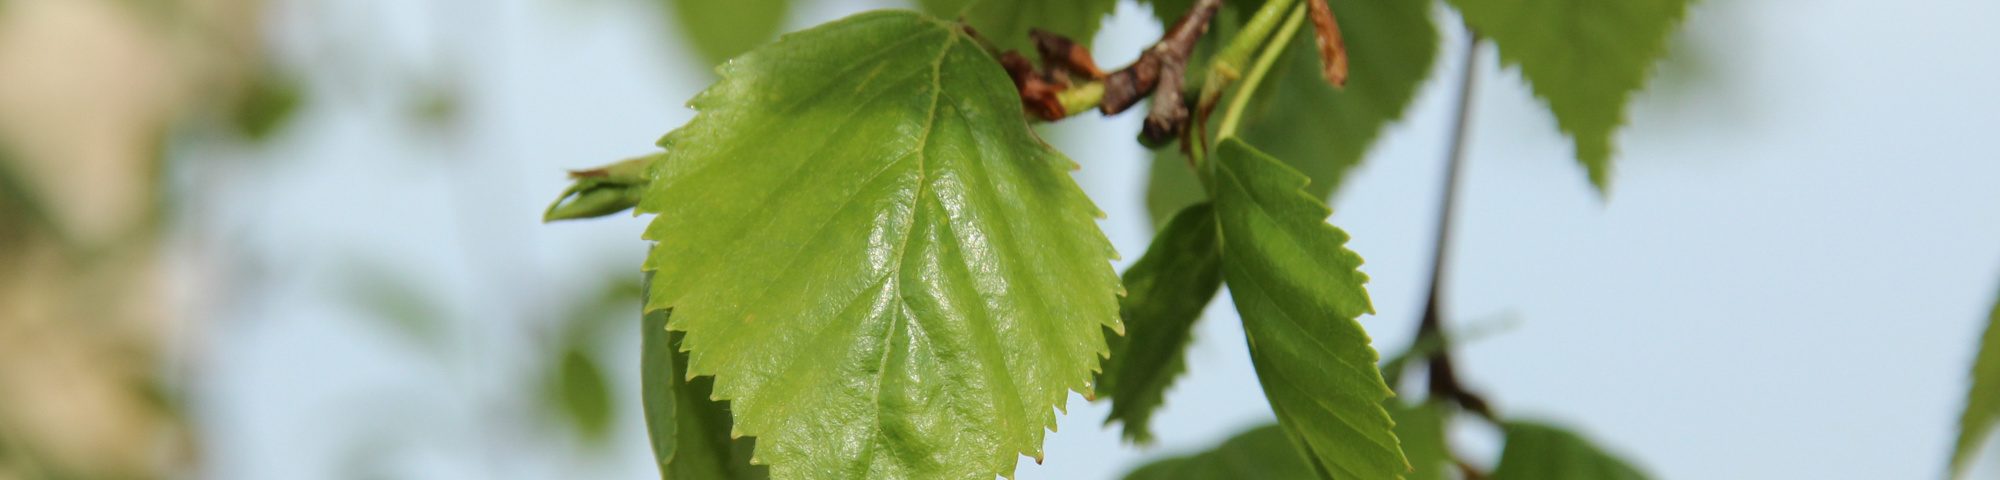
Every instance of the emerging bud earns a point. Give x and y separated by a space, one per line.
603 190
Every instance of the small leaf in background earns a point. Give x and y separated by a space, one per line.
265 104
398 303
1584 58
1542 452
581 394
906 283
1165 292
1982 402
1263 453
1421 428
690 432
1006 22
723 29
1299 292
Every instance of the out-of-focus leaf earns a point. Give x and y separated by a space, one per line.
603 190
581 393
906 282
1299 292
269 101
1006 22
1263 453
1982 402
1421 428
690 432
1166 291
398 303
723 29
1541 452
1584 58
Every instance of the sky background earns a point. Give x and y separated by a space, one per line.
1787 279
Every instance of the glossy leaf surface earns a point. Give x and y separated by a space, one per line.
887 273
1982 402
723 29
1166 291
1584 58
1299 292
1263 453
1006 22
1542 452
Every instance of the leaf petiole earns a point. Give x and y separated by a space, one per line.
1233 117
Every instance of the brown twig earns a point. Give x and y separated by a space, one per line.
1166 59
1444 382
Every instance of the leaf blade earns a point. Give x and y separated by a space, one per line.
1166 291
1299 292
1262 453
1006 22
1583 59
1541 452
1982 400
886 272
722 30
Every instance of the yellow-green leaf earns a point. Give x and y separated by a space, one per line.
723 29
887 273
1982 401
1541 452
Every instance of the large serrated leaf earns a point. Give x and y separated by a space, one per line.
1982 402
1166 291
721 30
1541 452
1299 292
1262 453
1584 57
1006 22
887 273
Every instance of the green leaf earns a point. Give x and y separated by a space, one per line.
1299 291
1321 131
888 274
721 30
1263 453
581 394
1421 428
1006 22
1585 58
603 190
1541 452
267 102
1166 291
1982 402
690 432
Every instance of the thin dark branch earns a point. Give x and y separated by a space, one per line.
1124 88
1444 382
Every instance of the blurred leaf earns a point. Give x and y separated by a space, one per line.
1299 290
398 303
904 269
266 104
1541 452
603 190
437 104
1982 402
1006 22
690 432
1583 58
1421 429
1172 186
1263 453
723 29
1166 291
581 393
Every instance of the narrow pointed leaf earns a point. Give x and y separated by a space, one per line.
690 432
1166 291
1541 452
1584 58
1006 22
723 29
1263 453
1982 402
1299 292
885 270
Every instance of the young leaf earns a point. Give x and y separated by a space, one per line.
1166 291
1982 403
1584 58
721 30
1006 22
690 432
1262 453
1541 452
1421 429
885 270
1299 292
